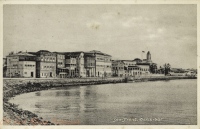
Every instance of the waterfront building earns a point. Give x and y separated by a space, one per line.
143 69
45 64
128 68
136 67
61 70
137 60
146 61
89 64
21 64
118 68
102 63
80 64
74 63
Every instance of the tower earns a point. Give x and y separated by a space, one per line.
148 56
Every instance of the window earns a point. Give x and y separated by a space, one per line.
25 72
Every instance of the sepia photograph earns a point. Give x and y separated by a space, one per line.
99 64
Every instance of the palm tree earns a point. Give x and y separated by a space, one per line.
153 68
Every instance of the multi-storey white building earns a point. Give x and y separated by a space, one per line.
129 68
74 63
103 64
21 64
45 64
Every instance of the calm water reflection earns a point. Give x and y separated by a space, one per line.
160 102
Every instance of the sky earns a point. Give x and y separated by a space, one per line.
169 32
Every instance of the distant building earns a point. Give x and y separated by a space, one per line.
89 64
146 61
143 69
128 68
45 64
137 60
74 63
61 70
136 67
118 68
21 64
103 64
182 72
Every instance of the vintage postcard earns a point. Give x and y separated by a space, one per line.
115 65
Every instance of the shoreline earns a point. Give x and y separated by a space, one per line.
12 115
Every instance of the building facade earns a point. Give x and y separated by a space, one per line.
118 68
21 65
89 64
75 64
129 68
80 64
61 70
123 67
146 61
45 64
102 64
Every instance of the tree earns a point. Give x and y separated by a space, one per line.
167 68
161 70
153 68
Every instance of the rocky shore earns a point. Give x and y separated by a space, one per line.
14 116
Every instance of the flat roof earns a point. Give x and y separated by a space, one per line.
22 54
